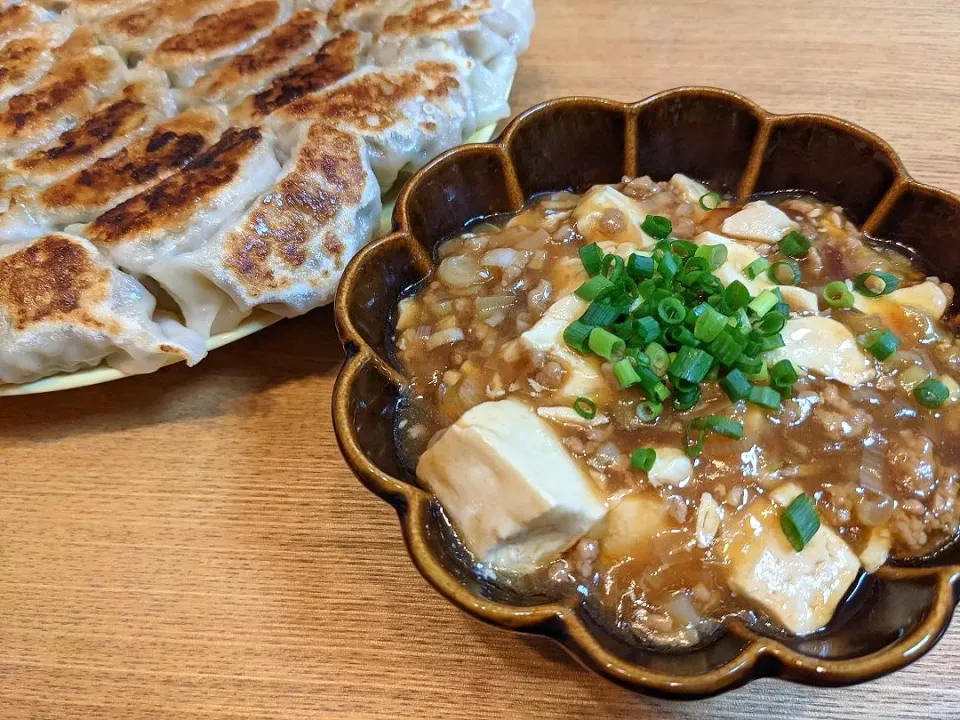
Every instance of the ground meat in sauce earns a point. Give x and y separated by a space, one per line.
457 335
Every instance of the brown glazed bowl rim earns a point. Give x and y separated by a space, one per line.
762 655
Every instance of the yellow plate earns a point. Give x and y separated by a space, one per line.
255 322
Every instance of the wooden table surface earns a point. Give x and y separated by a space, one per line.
190 544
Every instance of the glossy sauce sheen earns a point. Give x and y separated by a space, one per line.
648 582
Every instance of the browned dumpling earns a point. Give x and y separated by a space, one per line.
180 212
287 252
116 122
85 11
136 32
407 114
214 38
20 19
250 72
337 58
67 94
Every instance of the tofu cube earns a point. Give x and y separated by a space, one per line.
759 221
927 297
603 197
513 492
800 591
630 529
826 347
672 467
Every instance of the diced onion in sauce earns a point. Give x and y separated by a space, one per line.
444 337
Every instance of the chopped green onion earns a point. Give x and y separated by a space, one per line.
710 284
750 365
761 376
715 255
643 459
691 365
799 521
640 266
684 248
671 311
784 272
771 324
931 393
756 268
585 407
771 342
645 330
648 411
659 359
764 397
681 336
881 343
712 423
594 287
652 386
725 426
763 303
625 373
612 267
727 347
657 227
576 336
794 244
638 357
592 258
838 295
875 284
687 399
710 201
709 324
736 296
783 374
668 265
735 385
600 314
607 345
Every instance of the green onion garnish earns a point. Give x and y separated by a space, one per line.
881 343
709 324
668 265
684 248
645 330
736 296
710 201
648 411
612 267
600 313
594 287
751 366
640 267
783 374
681 336
625 373
652 385
727 347
771 342
671 311
592 258
931 393
736 385
794 244
683 401
764 397
784 272
643 459
715 255
585 407
691 365
838 295
659 359
763 303
657 227
875 284
607 345
771 324
711 423
576 336
799 521
756 268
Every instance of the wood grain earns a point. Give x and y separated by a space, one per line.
190 544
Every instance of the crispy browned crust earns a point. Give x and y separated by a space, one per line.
64 90
16 18
373 100
140 20
436 16
54 279
341 9
335 59
173 200
270 52
211 33
17 58
113 120
170 147
285 221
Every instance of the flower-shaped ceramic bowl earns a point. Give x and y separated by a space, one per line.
720 138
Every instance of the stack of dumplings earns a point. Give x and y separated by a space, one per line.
169 166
